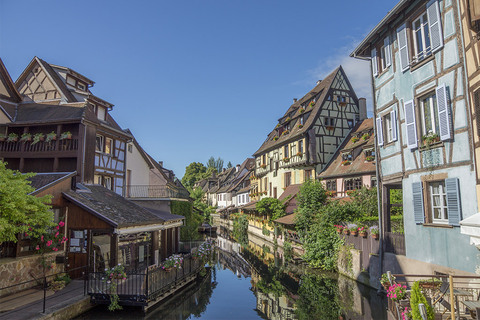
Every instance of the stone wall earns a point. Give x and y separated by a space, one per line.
14 271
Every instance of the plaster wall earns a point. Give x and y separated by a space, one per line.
138 167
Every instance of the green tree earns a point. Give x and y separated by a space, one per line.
217 164
310 199
21 212
365 201
192 219
229 165
198 202
318 298
271 207
194 172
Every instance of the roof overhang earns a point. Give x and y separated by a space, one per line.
147 228
471 227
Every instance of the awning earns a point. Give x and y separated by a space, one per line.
471 227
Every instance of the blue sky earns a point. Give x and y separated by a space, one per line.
194 79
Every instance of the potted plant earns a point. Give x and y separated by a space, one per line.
339 228
286 159
369 158
275 138
374 232
37 137
285 132
300 126
312 104
430 139
353 229
365 137
277 126
330 193
362 231
51 136
346 162
12 137
346 231
66 135
430 283
385 281
301 110
397 292
174 261
355 139
26 137
299 154
3 137
288 119
263 166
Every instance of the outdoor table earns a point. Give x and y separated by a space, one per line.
460 293
473 306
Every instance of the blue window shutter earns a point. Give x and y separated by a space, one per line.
393 118
379 131
388 51
403 48
374 62
411 124
452 189
418 211
435 25
443 112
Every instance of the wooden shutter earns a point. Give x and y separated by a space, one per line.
374 62
452 190
476 104
379 131
418 212
403 48
443 112
388 52
393 119
435 25
411 124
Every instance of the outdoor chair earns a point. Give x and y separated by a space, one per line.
439 297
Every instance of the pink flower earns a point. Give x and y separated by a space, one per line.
61 223
37 247
57 227
49 243
56 234
41 238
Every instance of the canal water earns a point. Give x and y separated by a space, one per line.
250 282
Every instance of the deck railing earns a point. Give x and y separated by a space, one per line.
139 287
41 146
152 191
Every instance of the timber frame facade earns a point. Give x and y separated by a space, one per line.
307 136
423 129
49 99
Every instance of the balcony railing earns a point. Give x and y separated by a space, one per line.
293 160
148 191
41 146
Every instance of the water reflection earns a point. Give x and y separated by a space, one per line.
251 282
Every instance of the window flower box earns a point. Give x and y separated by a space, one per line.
430 138
12 137
2 137
346 162
370 158
288 119
66 135
26 137
330 127
37 137
355 139
275 138
52 136
285 132
299 154
263 166
312 104
300 126
365 137
286 159
301 110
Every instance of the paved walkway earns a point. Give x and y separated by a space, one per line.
29 304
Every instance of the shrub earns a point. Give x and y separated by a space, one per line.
417 297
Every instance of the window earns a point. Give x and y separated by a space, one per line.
107 183
301 120
370 154
347 156
300 146
264 159
429 115
294 149
308 174
99 143
101 113
353 184
81 86
288 179
108 146
426 36
389 121
329 122
438 202
331 185
421 38
388 128
130 148
350 123
285 151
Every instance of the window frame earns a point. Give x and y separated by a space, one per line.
431 95
102 144
430 203
418 55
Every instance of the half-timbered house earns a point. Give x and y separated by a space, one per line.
423 130
307 135
60 126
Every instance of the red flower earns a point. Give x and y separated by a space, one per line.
61 223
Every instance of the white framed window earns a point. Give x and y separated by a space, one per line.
107 183
388 127
429 114
108 146
421 38
300 146
101 113
99 143
438 202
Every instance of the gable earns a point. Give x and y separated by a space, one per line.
7 87
37 86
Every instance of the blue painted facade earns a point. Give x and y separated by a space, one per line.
412 85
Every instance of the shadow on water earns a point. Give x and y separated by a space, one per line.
250 282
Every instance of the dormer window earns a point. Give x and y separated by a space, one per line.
101 113
81 86
370 154
76 83
347 156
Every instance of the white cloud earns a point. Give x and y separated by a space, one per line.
358 72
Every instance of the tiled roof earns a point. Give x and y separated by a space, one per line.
35 112
320 89
42 180
289 196
111 207
359 165
288 219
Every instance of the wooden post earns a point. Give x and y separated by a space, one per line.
452 298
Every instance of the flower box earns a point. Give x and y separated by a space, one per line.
286 159
346 162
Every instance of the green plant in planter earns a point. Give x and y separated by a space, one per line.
275 138
26 137
286 159
37 137
288 119
430 139
301 110
355 139
65 135
3 137
12 137
369 158
51 136
365 137
417 297
285 132
312 104
300 126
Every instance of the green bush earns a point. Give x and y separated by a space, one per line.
240 228
417 297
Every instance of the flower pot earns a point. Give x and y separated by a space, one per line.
2 139
346 231
375 236
354 233
168 269
339 231
363 234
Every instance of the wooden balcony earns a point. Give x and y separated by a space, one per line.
42 149
259 171
294 160
152 191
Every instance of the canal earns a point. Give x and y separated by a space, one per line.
251 282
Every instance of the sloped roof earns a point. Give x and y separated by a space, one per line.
251 205
321 92
288 219
43 180
9 85
290 197
111 207
35 112
359 165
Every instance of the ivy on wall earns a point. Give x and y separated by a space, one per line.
192 219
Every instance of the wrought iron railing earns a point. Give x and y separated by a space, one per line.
152 191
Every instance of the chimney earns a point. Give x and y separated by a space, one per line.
318 82
362 106
238 168
294 100
160 163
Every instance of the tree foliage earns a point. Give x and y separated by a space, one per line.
271 207
193 172
365 202
240 228
199 203
192 219
217 164
21 212
310 199
229 165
